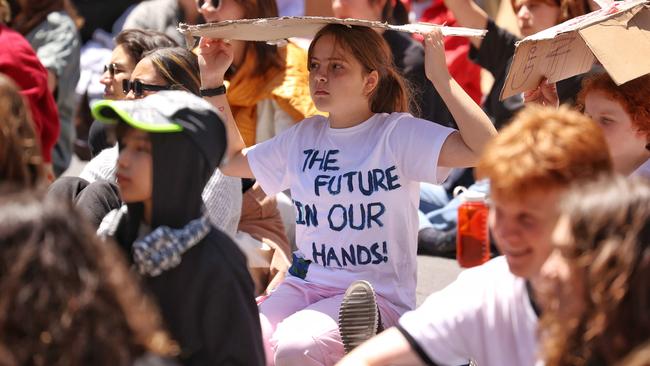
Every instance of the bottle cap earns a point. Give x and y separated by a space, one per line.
473 196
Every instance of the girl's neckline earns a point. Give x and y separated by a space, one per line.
361 126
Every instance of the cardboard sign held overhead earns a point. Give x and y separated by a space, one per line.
279 29
617 36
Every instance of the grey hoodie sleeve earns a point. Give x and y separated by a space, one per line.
222 197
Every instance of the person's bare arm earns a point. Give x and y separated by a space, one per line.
470 15
387 348
463 148
51 81
214 59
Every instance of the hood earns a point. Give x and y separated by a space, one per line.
188 140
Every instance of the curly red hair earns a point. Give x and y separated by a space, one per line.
633 96
541 149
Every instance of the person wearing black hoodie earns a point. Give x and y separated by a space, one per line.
170 144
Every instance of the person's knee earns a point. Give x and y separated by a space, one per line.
297 350
302 345
97 200
67 188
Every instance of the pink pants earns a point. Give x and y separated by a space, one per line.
300 323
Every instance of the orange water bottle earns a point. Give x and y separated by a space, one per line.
472 237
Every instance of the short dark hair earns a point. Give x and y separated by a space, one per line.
137 42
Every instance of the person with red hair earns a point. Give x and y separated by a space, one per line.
622 111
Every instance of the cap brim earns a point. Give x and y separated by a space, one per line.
110 112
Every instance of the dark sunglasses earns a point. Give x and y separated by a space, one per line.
111 68
139 87
215 3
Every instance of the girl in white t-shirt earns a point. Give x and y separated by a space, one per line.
354 179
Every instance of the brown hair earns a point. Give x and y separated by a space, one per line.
136 42
28 14
21 163
633 96
266 56
393 12
68 298
178 66
568 8
5 12
372 52
543 148
610 232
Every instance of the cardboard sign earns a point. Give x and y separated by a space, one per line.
275 30
618 36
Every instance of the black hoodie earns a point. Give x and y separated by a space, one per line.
207 301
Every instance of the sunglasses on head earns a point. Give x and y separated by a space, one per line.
215 3
111 68
138 87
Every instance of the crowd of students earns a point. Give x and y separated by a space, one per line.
255 204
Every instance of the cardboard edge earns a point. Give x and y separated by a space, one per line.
414 28
624 22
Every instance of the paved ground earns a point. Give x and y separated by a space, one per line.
433 273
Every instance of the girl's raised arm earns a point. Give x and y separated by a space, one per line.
215 57
461 149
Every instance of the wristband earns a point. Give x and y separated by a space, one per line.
213 92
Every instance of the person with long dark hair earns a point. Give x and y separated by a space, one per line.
171 143
268 90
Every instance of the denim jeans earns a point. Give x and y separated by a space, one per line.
438 210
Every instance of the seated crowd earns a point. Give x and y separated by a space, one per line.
245 203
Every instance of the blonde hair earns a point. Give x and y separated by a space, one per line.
544 148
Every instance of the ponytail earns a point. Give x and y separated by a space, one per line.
391 94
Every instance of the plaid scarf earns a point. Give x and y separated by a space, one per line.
163 248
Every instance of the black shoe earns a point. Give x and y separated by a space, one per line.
437 243
358 315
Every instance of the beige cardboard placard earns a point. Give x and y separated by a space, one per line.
278 29
630 32
617 36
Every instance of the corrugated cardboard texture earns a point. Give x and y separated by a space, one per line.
276 29
618 37
622 44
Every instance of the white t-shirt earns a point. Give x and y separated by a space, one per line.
356 191
642 171
485 315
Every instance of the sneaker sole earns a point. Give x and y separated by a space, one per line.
358 315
